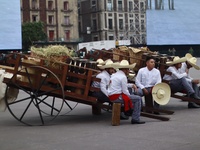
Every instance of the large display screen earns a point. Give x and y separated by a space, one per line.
180 26
10 25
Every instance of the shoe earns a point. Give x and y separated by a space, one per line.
137 122
129 112
156 113
193 105
194 96
123 116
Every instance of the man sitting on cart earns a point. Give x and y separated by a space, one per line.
104 75
118 92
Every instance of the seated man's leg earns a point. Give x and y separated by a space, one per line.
136 100
101 97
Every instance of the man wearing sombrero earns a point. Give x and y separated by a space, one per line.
191 62
178 81
104 75
118 91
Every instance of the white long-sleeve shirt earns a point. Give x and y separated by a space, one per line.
118 84
105 80
175 74
183 70
147 78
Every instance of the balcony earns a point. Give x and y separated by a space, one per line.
66 10
66 25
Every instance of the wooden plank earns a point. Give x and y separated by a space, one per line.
116 110
159 117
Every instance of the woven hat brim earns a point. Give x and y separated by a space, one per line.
183 59
166 98
117 65
194 65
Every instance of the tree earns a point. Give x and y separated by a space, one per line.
31 32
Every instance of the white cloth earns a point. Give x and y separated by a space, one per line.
147 78
105 80
175 74
118 84
12 93
183 70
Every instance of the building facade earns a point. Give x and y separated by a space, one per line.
113 20
60 18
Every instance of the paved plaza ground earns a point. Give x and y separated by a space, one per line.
80 130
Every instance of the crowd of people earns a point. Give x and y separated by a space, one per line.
114 85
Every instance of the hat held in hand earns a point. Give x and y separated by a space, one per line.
161 93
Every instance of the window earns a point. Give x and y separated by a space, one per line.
131 24
120 5
95 38
66 5
50 5
130 6
110 24
121 24
50 19
67 35
94 24
141 6
51 35
34 4
34 18
111 37
94 5
66 20
109 5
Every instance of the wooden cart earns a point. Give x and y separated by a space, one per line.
46 87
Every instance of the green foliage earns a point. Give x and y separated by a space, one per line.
31 32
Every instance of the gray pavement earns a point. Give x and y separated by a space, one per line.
81 130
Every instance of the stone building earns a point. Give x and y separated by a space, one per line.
60 18
113 20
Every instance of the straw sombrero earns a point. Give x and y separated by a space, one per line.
161 93
192 61
124 64
108 64
176 60
100 61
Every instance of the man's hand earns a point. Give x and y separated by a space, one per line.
135 88
145 91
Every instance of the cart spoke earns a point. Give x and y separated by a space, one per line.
68 105
39 110
51 106
51 91
26 110
18 101
21 88
29 79
43 81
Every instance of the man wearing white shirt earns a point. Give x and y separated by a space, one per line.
104 75
177 80
191 62
147 77
118 92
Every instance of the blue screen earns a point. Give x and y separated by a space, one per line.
10 25
180 26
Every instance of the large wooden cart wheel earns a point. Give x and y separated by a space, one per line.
34 103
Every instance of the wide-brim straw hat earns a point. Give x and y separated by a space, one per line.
135 50
161 93
192 61
100 61
108 64
176 60
124 64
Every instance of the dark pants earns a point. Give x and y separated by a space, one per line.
101 97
